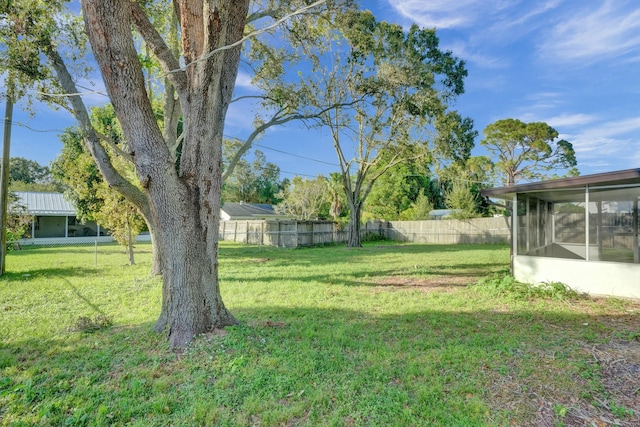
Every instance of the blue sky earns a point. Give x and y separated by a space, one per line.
574 64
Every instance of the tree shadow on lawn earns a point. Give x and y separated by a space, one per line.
456 274
54 272
339 366
241 251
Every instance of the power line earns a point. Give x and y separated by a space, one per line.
296 155
274 167
36 130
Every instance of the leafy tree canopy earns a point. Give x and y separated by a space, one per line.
306 199
252 182
527 151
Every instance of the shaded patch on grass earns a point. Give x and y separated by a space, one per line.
427 284
91 324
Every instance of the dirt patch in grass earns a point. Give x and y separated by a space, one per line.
603 390
430 284
616 404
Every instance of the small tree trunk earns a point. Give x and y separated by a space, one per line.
4 178
354 226
130 240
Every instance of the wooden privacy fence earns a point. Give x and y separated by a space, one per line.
288 234
476 230
293 234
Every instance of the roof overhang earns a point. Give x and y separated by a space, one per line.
618 178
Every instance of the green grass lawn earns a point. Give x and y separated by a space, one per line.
385 335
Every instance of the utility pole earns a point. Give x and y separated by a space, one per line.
4 175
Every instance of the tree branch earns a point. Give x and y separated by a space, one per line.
252 34
274 121
166 58
109 141
91 138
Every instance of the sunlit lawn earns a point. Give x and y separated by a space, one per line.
384 335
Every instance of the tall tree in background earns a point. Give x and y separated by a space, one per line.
29 175
461 182
253 182
527 151
28 171
306 199
378 90
397 189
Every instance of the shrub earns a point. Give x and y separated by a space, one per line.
502 283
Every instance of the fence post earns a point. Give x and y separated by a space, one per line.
235 231
279 228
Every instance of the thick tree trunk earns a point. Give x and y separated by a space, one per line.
192 303
355 213
185 208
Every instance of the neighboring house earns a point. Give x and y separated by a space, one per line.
581 231
232 211
54 218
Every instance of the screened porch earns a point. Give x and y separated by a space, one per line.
581 231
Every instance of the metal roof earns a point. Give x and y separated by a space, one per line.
622 177
45 204
248 210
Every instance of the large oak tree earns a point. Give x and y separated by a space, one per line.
178 161
184 200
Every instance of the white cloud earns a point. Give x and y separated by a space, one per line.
239 117
539 10
610 139
612 30
570 120
491 16
618 127
439 13
243 80
462 51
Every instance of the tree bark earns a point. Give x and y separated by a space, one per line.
185 206
355 212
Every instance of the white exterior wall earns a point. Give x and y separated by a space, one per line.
597 278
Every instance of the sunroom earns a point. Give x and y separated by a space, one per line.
581 231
